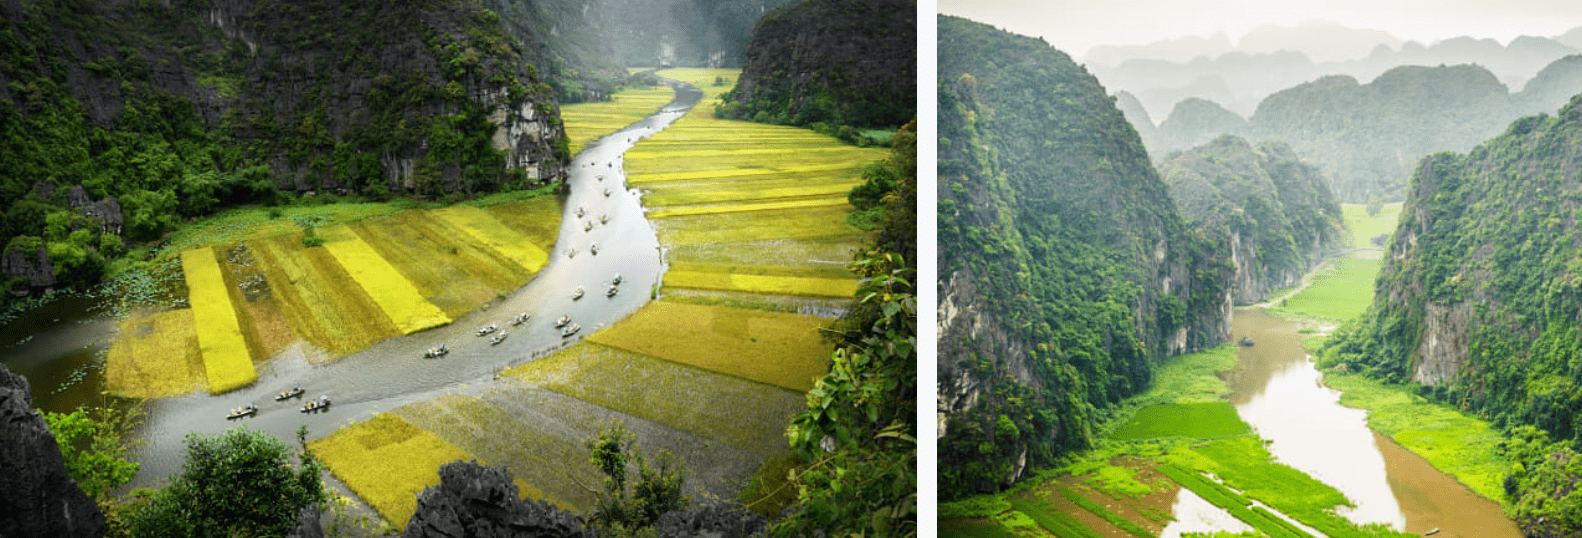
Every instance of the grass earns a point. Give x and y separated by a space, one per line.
1455 443
1060 524
394 294
973 528
668 393
155 355
1339 293
226 361
1363 227
1201 420
486 229
783 350
241 225
386 461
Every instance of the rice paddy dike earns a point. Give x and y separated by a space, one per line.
711 371
1219 444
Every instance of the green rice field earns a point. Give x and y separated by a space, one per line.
1201 420
1339 292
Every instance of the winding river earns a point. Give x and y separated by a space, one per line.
391 373
1279 392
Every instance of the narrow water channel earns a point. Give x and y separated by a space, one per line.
50 343
1279 392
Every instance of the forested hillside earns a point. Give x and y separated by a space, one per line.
1065 269
1272 211
121 120
1479 301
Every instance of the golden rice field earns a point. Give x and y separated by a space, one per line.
486 229
587 122
226 361
783 350
323 303
747 207
155 355
393 293
386 461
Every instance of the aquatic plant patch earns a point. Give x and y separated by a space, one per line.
226 361
483 227
740 413
1453 442
393 293
778 349
322 302
386 461
155 355
1202 420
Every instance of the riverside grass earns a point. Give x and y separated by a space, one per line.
1201 420
386 461
783 350
227 364
156 355
1338 293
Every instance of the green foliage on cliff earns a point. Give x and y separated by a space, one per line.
1050 213
1544 487
94 447
1269 198
1481 291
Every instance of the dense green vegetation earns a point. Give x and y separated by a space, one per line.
1278 207
238 483
1485 254
1050 212
95 447
863 77
1204 420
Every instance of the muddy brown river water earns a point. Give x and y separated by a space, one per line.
1278 391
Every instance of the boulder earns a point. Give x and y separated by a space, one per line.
37 498
476 501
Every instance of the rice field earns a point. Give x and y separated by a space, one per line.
156 355
448 267
486 229
227 363
386 461
321 300
587 122
1201 420
393 293
782 350
725 192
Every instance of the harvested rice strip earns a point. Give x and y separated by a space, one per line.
394 293
320 299
733 173
386 461
155 355
768 284
225 358
491 232
738 208
778 349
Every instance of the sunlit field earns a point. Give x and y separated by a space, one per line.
386 461
587 122
449 267
226 361
393 293
777 349
156 355
323 304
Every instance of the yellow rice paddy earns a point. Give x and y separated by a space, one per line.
225 358
386 461
482 226
586 122
784 350
322 302
394 293
156 355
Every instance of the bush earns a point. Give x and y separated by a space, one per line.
238 483
622 512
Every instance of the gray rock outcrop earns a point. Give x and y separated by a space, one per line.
36 496
712 521
37 270
476 501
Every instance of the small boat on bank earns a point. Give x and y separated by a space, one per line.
287 394
322 403
246 410
568 331
1244 342
562 321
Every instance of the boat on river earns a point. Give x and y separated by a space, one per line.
322 403
501 338
489 329
1244 342
616 281
594 249
568 331
520 319
436 352
577 294
606 192
562 321
571 253
604 219
287 394
246 410
580 212
587 226
612 291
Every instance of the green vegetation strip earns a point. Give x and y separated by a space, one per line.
1114 519
1202 420
1232 502
393 292
973 528
1060 524
1244 463
225 358
1453 442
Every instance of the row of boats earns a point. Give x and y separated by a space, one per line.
251 409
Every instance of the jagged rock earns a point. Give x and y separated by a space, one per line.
45 189
107 212
712 521
476 501
77 197
38 271
36 496
308 525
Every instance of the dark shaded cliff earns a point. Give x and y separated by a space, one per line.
1065 271
1272 213
37 499
835 62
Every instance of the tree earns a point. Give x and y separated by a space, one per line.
238 483
93 447
620 512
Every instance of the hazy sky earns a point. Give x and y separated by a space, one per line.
1074 26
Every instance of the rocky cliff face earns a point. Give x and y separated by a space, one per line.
37 499
839 62
1066 271
475 501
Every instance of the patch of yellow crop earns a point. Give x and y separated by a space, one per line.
320 299
225 358
712 81
387 462
482 225
393 292
728 192
739 208
537 219
767 284
827 222
746 171
155 355
778 349
586 122
451 269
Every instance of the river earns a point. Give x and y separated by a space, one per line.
65 335
1278 391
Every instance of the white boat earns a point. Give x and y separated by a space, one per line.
486 330
577 294
568 331
613 290
315 405
562 321
249 409
594 248
436 352
604 219
606 192
617 280
519 319
285 394
496 340
587 226
580 212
